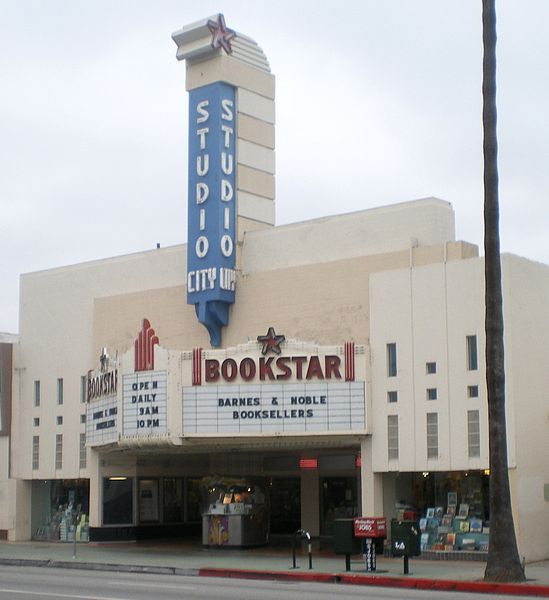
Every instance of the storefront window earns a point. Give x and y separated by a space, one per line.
431 489
194 491
173 500
60 510
148 500
117 500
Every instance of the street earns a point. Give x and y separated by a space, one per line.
30 583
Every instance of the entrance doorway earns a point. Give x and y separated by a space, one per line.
338 500
285 497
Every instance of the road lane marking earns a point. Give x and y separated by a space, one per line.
156 585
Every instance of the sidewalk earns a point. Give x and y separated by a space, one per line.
267 563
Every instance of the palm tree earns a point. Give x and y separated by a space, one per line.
503 559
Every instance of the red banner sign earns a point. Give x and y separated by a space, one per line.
370 527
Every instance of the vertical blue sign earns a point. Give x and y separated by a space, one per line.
212 196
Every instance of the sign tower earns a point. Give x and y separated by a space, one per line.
231 186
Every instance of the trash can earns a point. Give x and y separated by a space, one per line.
405 538
344 540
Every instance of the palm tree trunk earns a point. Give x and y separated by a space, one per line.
503 559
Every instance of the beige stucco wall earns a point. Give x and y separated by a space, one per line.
4 492
56 341
526 299
428 312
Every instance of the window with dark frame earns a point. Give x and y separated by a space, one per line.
36 392
432 393
391 360
83 388
472 354
60 390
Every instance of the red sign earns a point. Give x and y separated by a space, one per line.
144 347
270 368
370 527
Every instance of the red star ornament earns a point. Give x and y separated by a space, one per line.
271 342
221 34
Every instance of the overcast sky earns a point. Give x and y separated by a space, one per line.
377 103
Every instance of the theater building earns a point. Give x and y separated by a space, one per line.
285 375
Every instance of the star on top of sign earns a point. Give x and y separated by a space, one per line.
271 342
104 360
221 34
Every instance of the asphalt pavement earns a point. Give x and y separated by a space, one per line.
271 562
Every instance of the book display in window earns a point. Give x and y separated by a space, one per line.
460 528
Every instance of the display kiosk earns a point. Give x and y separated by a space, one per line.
238 517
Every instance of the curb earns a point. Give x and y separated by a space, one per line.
480 587
87 566
272 575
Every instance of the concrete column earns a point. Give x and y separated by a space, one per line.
371 483
95 488
310 502
20 499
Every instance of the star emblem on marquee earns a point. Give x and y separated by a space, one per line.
104 360
271 342
221 34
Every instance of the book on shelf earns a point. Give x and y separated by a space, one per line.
443 529
452 499
446 520
475 525
464 526
432 525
